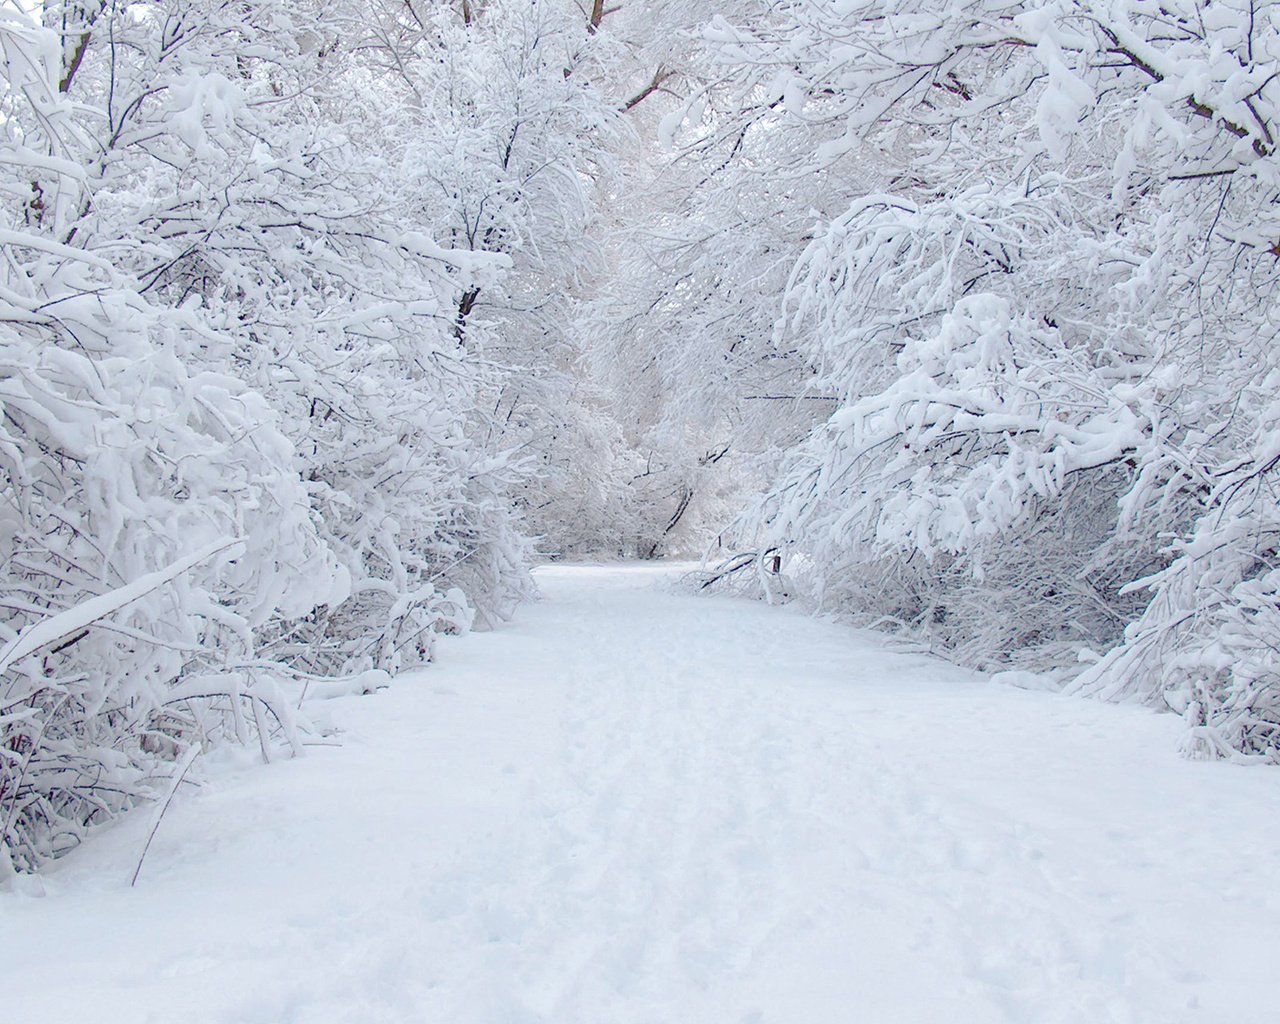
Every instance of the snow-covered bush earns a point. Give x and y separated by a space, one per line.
283 220
241 442
1051 327
153 516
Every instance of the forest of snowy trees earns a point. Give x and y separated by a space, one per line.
322 320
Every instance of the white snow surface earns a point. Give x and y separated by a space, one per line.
633 805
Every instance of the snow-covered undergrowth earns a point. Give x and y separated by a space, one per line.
241 443
1050 330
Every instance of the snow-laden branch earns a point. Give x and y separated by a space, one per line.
51 630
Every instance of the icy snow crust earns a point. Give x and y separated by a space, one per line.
638 806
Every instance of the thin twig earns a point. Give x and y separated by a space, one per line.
187 761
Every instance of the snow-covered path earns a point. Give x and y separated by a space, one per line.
636 806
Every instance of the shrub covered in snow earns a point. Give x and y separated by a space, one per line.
1050 325
241 443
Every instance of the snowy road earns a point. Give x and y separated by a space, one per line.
636 806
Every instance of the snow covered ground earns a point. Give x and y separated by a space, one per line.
637 806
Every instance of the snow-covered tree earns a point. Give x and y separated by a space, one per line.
242 442
508 133
698 249
153 515
1050 323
